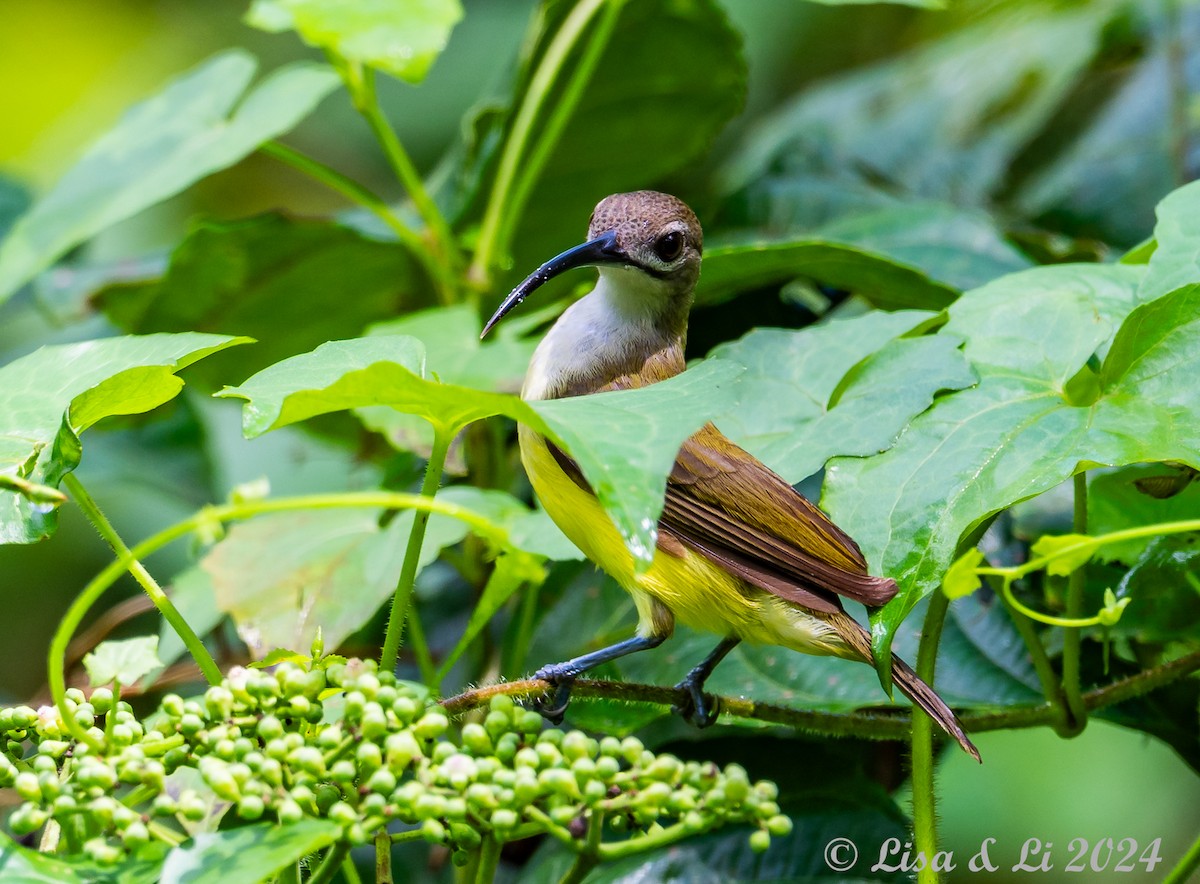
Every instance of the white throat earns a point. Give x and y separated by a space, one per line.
621 315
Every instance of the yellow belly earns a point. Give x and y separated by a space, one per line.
696 590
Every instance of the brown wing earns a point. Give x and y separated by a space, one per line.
726 505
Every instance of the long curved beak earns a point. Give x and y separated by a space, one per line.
601 250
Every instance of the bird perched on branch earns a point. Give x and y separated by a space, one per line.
740 553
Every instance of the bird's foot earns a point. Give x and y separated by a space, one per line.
553 704
696 707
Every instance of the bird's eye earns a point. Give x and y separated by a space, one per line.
669 246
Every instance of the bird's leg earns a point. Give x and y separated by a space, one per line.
695 708
562 675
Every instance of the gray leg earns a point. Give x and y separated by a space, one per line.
562 675
695 707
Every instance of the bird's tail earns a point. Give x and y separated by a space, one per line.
935 707
910 684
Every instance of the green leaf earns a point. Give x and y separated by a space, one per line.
510 573
289 283
1162 591
794 413
282 576
1176 258
200 123
123 661
1070 552
961 579
625 442
454 354
247 853
14 200
21 865
1115 503
1020 431
729 269
943 120
48 397
402 37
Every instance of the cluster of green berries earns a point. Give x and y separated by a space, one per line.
353 745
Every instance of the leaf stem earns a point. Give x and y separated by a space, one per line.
489 860
133 563
408 572
501 216
366 101
383 857
329 866
1047 677
441 275
1187 864
1073 638
662 838
923 797
56 658
589 857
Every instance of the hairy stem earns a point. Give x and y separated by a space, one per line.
923 797
416 537
155 592
864 725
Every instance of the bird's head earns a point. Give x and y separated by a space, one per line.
653 236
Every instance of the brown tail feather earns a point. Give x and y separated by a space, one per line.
935 707
906 679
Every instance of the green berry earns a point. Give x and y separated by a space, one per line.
760 841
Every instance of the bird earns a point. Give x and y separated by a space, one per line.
739 552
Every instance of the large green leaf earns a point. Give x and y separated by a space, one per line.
201 122
454 354
289 283
14 199
1115 502
942 120
402 37
122 660
1039 414
48 397
794 414
22 865
247 854
910 255
1164 585
625 442
1176 260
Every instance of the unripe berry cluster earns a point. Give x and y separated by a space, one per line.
353 745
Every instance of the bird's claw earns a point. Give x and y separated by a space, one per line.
552 706
696 708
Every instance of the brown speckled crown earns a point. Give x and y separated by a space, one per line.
638 216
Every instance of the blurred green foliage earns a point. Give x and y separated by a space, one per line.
883 183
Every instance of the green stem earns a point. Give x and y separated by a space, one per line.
366 102
489 860
1047 677
133 563
383 858
350 871
110 720
289 874
416 537
923 798
664 837
499 212
1073 638
56 659
1187 864
430 676
589 858
329 866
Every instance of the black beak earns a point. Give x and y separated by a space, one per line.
601 250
